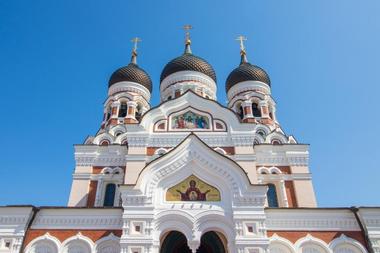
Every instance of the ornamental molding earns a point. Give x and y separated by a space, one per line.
187 76
78 222
14 220
312 222
283 161
126 86
246 86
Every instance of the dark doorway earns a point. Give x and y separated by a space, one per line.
176 242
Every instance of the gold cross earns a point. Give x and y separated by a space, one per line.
187 28
241 39
135 41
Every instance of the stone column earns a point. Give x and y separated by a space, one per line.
264 109
247 110
114 111
98 196
130 118
283 193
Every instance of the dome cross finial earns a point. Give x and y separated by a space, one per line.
243 53
135 41
187 29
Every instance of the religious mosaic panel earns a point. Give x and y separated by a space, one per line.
192 189
190 120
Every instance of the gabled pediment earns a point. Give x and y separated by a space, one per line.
193 157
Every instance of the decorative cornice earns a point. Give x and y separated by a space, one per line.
311 220
78 222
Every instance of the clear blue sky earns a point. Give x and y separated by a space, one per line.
56 58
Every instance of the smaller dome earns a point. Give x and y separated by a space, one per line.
131 73
246 72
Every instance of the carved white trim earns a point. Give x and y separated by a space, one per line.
310 240
275 240
129 87
343 240
41 239
78 238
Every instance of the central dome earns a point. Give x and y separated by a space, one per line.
188 62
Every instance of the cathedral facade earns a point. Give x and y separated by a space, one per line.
190 175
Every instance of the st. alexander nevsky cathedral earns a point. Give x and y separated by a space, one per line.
190 175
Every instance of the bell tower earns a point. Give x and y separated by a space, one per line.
129 92
248 90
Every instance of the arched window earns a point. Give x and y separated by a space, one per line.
123 110
109 110
256 110
272 196
104 143
45 246
276 142
170 98
261 132
240 111
138 112
109 196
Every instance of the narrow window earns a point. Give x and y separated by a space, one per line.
241 112
109 110
123 110
256 110
109 196
272 196
138 113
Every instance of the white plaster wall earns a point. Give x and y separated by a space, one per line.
79 192
305 193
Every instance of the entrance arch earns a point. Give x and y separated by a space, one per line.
175 242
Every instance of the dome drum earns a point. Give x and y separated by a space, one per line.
185 80
131 87
247 87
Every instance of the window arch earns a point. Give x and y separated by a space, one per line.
104 143
272 196
346 248
77 246
256 110
312 248
44 246
108 113
240 111
123 109
109 196
138 114
276 142
278 248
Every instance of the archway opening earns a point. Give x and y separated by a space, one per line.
211 243
176 242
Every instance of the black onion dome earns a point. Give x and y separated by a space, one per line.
246 72
188 62
132 73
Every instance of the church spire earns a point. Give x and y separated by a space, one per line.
134 50
243 53
187 29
